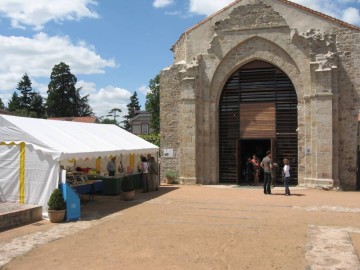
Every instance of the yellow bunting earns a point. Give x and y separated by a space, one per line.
22 173
98 163
132 161
4 143
72 160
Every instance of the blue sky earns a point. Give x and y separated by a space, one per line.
113 47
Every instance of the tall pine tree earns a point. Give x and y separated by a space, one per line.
84 109
2 106
37 107
14 103
24 86
133 106
31 103
63 97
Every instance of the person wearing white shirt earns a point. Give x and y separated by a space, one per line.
145 174
286 174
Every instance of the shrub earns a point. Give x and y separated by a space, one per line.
56 201
170 174
153 138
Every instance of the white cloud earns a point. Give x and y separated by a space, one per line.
37 56
346 10
207 7
24 13
108 98
174 13
351 15
143 89
86 87
162 3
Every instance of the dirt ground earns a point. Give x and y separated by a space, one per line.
200 227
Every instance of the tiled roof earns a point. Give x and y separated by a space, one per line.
322 15
6 112
83 119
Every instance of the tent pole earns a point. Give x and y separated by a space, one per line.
22 173
98 164
132 162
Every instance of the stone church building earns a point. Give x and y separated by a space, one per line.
263 75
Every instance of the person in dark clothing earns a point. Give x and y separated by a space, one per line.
266 164
249 171
111 166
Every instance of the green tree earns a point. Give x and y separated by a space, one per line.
84 109
14 103
24 86
37 107
108 121
63 97
31 103
133 106
2 106
152 103
153 138
61 101
114 113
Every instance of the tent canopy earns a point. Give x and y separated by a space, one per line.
71 140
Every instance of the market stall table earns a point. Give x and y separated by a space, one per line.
90 187
112 184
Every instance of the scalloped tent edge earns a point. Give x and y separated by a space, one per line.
31 150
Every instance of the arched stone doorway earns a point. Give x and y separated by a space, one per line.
257 112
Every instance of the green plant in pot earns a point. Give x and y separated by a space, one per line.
170 176
56 206
128 189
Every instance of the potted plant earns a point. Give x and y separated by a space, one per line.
170 176
127 188
56 206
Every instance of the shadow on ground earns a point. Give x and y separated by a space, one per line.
100 206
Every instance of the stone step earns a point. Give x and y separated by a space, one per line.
15 215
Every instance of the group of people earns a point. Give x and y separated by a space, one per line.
149 170
147 166
252 172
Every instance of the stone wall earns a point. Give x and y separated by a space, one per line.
323 64
348 48
169 122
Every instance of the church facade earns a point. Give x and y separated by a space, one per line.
263 75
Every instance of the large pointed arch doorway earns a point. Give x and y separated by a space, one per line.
257 112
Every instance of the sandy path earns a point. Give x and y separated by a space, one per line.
199 227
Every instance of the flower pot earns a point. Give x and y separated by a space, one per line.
169 180
128 195
56 216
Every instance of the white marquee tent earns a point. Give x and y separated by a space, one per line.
31 151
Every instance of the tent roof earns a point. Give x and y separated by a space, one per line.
66 140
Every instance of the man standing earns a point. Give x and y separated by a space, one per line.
111 166
266 164
153 171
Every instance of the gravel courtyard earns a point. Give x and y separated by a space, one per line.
197 227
